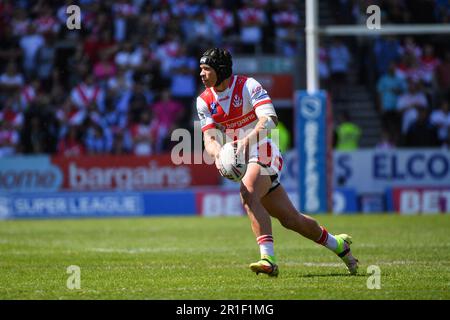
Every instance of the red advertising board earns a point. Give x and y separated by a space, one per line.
132 173
279 86
426 200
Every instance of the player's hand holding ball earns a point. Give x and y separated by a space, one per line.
231 161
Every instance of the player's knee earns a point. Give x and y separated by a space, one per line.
248 196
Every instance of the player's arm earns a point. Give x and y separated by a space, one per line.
212 146
210 131
263 126
267 117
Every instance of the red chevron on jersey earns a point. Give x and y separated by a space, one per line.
235 118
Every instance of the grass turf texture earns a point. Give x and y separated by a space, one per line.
207 258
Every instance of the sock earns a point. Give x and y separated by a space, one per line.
266 246
328 240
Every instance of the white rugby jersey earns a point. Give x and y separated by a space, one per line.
235 110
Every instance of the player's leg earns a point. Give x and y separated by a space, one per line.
278 204
254 186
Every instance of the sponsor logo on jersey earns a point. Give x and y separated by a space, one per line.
213 108
256 90
262 96
237 101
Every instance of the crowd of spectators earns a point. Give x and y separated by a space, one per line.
122 82
415 89
129 76
409 74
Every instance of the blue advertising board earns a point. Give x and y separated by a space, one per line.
170 203
29 174
70 204
96 204
313 145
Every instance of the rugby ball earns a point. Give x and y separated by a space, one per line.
233 165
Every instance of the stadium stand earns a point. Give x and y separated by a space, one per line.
101 89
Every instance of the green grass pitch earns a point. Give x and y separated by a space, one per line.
207 258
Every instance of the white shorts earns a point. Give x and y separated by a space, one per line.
268 156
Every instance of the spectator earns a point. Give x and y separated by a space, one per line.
120 82
386 142
11 80
104 69
30 44
123 144
286 21
68 114
98 140
119 91
124 12
183 73
222 19
421 132
339 64
429 64
11 111
28 94
348 133
441 119
187 8
45 61
409 68
88 93
142 134
410 47
389 87
138 101
409 103
97 44
113 118
166 116
9 138
161 16
40 129
252 20
129 57
71 144
46 22
144 27
20 23
199 29
166 52
387 50
78 66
